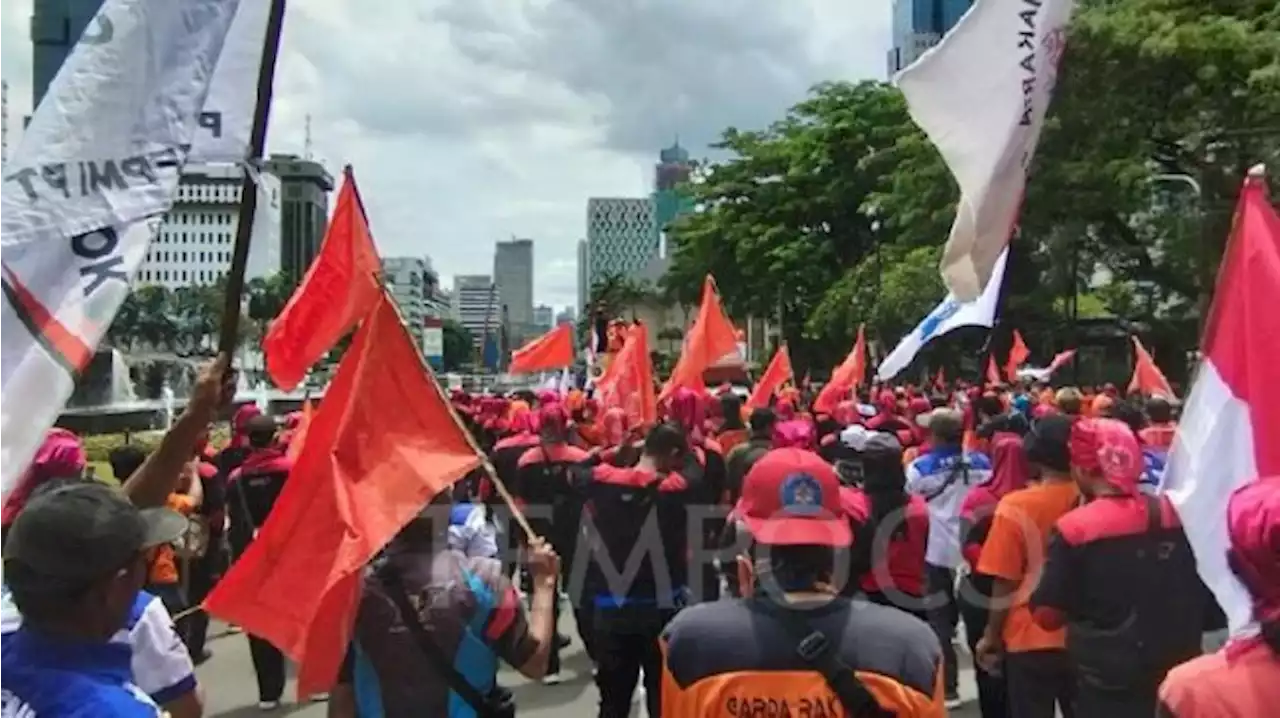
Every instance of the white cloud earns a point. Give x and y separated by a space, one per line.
470 121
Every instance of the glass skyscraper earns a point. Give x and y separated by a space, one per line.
918 25
56 27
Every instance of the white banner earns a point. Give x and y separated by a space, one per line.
227 117
981 97
950 314
84 194
264 248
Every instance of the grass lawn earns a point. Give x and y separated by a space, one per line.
102 471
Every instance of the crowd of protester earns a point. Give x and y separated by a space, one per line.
722 562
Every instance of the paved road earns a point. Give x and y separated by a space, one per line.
230 690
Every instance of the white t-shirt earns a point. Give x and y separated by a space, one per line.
162 667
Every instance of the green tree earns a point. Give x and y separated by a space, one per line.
156 323
458 347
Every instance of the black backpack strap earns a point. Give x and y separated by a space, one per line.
1155 513
435 655
815 649
958 471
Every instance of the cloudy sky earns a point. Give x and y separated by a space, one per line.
472 121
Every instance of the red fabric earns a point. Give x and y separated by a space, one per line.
993 374
628 382
688 409
1159 436
61 456
1253 524
553 350
1060 359
1109 517
847 377
1018 355
1009 472
613 424
1147 377
778 373
371 463
552 454
1108 447
1240 338
339 289
792 497
901 566
711 338
636 478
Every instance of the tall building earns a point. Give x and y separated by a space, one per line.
477 305
415 286
584 274
544 317
304 211
195 241
568 316
669 198
513 273
56 27
622 237
919 25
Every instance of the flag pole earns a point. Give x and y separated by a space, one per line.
487 465
248 190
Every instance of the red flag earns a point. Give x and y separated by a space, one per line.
711 338
339 290
1018 354
382 445
1231 419
847 377
940 379
553 350
778 373
300 432
1147 377
1059 360
628 382
993 374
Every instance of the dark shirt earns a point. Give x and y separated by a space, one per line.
252 490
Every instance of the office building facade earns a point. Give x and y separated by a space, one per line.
195 242
513 273
304 210
919 25
584 274
544 317
477 305
622 237
415 287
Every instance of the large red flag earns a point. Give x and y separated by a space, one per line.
778 373
628 382
382 444
553 350
845 378
1147 377
1018 355
1227 436
711 338
338 290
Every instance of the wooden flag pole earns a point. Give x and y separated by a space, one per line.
228 336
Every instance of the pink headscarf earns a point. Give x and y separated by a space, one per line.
689 411
1253 524
614 426
784 409
1009 472
794 434
553 419
240 423
521 419
1107 447
61 456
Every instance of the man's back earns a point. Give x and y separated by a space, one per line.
943 476
733 658
469 609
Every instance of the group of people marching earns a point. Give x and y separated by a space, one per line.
723 562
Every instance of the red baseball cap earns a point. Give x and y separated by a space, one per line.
792 497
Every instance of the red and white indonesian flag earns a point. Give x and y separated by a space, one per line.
1230 429
86 190
981 97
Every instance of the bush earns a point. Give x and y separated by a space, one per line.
99 447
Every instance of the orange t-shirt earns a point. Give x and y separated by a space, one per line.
164 569
1015 551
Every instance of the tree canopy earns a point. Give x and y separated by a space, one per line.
835 214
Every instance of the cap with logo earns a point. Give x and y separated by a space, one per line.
792 497
74 535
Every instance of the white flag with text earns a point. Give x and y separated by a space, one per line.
85 191
981 97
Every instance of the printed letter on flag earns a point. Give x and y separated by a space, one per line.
85 192
382 444
981 97
1227 434
553 350
227 118
950 314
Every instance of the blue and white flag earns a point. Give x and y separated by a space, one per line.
950 314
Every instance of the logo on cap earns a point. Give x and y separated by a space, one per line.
801 494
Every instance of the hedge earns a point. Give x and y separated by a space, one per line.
99 447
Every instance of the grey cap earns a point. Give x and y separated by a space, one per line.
944 423
77 534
